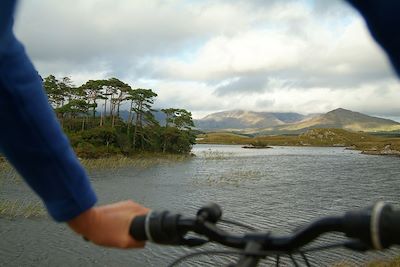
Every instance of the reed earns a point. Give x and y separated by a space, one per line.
234 178
13 209
395 262
215 155
8 173
142 160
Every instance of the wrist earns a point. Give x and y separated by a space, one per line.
82 223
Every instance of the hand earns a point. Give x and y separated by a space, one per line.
109 225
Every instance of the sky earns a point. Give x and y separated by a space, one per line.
305 56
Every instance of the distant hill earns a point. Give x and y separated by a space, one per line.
346 119
242 119
288 123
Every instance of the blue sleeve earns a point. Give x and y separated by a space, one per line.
383 20
30 135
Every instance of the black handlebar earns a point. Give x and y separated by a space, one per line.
377 227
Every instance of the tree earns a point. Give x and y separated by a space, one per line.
73 104
75 108
119 93
181 122
54 93
180 118
93 91
69 90
142 101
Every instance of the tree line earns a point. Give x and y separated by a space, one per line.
90 115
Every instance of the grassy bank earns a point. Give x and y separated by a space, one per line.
142 160
21 209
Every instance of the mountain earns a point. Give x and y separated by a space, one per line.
346 119
242 119
287 123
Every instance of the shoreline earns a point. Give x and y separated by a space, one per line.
142 160
386 151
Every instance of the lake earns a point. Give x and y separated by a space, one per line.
274 189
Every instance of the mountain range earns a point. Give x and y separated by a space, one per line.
289 122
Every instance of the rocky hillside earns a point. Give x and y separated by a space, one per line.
293 123
241 119
348 120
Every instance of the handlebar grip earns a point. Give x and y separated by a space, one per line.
158 227
137 228
377 226
389 228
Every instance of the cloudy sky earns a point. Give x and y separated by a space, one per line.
213 55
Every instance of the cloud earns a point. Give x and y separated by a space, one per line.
303 56
244 85
322 59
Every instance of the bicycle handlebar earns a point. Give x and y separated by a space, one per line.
377 227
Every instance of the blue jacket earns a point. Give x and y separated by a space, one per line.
383 20
31 137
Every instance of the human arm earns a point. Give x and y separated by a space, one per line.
32 140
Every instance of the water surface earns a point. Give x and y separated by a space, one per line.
272 189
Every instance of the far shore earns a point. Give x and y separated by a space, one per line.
319 137
386 151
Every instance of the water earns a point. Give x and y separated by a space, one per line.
272 189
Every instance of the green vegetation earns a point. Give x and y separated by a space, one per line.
7 173
215 155
14 209
141 160
395 262
315 137
233 178
222 138
101 132
387 263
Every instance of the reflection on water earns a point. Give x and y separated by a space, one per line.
272 189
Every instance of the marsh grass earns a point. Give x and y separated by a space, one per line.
215 155
395 262
4 166
143 160
234 178
388 263
8 173
12 209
